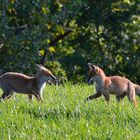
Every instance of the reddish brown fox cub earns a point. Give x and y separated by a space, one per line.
117 85
11 82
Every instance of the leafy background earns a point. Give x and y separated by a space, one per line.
64 35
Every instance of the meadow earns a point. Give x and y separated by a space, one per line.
65 116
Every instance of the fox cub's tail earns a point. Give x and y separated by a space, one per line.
137 89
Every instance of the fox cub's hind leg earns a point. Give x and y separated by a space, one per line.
132 95
107 96
120 97
6 95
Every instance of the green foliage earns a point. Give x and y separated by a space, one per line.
64 115
103 32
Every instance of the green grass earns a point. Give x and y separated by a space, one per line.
64 116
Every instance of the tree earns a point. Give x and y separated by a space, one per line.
65 35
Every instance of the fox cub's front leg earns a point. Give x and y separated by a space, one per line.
96 95
37 94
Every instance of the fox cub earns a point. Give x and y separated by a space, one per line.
11 82
116 85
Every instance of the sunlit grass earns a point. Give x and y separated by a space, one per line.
65 115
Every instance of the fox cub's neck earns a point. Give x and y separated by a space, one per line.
41 79
100 78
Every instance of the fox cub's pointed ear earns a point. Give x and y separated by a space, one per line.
91 66
38 67
41 65
94 67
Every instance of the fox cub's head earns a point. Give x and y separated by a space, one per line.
93 71
46 72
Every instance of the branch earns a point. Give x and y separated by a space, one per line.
59 37
53 42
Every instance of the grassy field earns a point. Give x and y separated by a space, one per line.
64 116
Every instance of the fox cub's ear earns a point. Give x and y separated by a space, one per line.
38 67
90 65
94 67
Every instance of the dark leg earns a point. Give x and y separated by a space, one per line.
30 96
132 96
98 94
40 96
120 97
6 94
37 95
106 96
11 94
